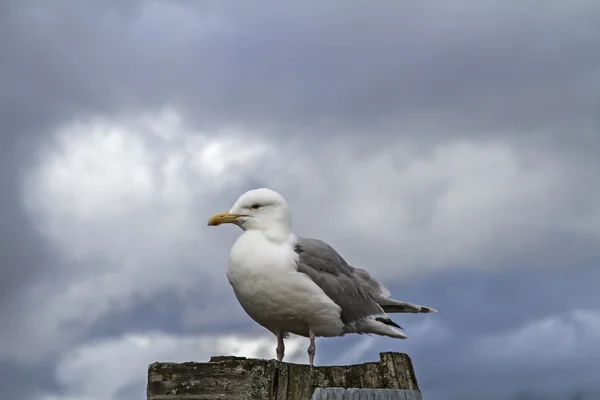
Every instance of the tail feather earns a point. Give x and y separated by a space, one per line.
381 295
396 306
378 325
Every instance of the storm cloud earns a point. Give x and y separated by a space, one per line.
450 149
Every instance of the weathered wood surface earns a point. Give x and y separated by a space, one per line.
239 378
365 394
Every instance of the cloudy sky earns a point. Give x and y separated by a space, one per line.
450 148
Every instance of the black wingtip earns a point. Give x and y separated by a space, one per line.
389 322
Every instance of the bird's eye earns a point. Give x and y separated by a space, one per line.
255 206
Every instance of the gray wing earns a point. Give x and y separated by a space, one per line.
371 285
353 289
336 278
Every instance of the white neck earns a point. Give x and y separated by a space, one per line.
278 234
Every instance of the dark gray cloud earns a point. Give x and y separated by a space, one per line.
486 66
474 305
492 72
26 383
23 255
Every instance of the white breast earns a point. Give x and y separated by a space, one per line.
266 283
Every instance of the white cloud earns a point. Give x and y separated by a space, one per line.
100 370
106 168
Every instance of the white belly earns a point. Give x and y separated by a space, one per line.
274 294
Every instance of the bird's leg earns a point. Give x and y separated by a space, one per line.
280 346
311 348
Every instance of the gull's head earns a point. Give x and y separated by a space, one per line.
258 209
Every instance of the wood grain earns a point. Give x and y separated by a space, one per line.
228 378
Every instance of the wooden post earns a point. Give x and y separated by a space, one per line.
239 378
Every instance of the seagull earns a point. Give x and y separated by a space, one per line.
293 284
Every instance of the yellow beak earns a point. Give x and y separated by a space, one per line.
222 218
